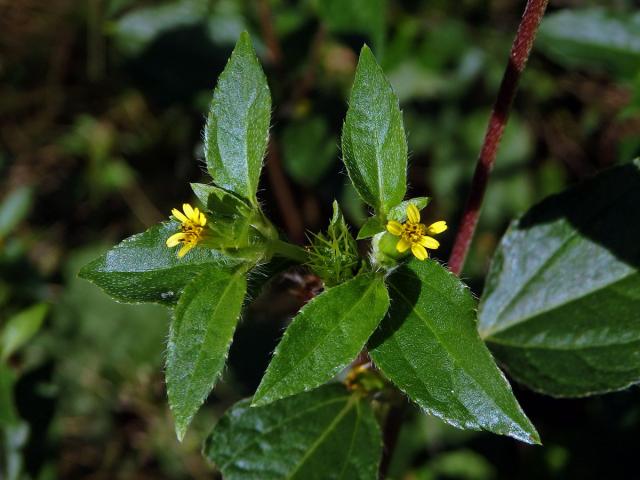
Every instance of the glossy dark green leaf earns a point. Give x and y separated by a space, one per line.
142 268
429 347
324 337
596 38
374 145
20 328
326 434
199 340
237 128
561 308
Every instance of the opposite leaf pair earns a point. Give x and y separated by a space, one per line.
427 345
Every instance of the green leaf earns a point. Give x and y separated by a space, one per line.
142 268
307 150
429 347
371 227
14 208
136 30
199 340
374 145
324 337
399 212
8 414
356 16
237 129
325 434
595 38
20 328
561 308
219 201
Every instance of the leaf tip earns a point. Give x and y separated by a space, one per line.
260 399
181 430
366 53
86 270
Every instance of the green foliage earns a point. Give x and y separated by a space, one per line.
356 16
237 129
371 227
374 145
235 228
334 256
307 150
593 37
375 225
8 414
13 209
221 202
199 339
399 212
20 328
324 434
561 306
324 337
142 268
137 29
428 346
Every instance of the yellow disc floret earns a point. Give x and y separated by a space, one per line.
415 235
193 222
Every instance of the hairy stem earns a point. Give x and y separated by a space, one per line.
288 250
518 57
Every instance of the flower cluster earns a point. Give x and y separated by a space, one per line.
415 235
192 228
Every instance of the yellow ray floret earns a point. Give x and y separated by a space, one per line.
415 235
191 230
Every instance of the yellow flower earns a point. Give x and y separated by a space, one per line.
414 234
193 222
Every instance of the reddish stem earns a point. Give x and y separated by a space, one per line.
520 51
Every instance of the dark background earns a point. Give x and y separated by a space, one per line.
102 105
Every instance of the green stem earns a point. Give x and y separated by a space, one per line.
288 250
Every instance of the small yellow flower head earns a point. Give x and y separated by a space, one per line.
193 222
415 235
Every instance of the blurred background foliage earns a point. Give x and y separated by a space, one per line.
102 105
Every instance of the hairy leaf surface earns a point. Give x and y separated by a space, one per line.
199 340
237 128
429 347
324 337
142 269
374 145
326 434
